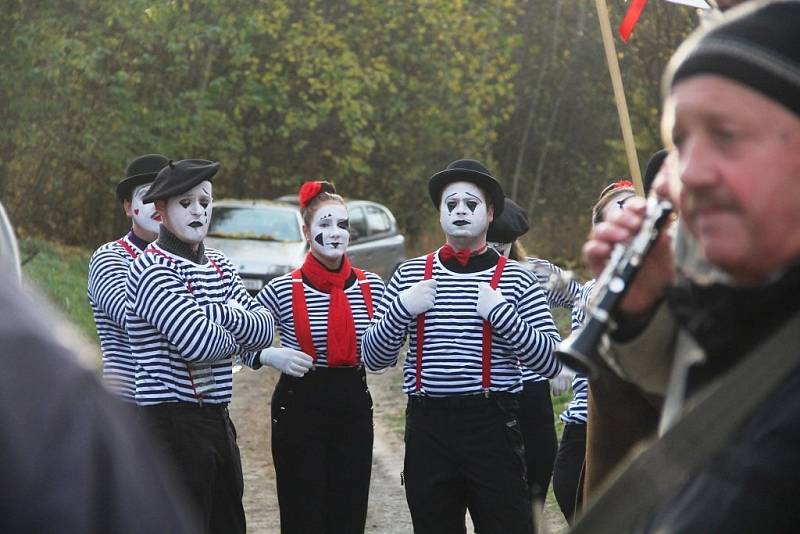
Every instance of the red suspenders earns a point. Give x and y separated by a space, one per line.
216 266
124 244
486 352
421 325
302 326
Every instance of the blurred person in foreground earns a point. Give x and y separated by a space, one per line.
72 460
712 323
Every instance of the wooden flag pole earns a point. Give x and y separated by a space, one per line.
619 95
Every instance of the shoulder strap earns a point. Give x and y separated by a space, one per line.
217 267
366 291
486 349
421 325
302 326
707 425
129 249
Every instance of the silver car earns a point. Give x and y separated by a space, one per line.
264 239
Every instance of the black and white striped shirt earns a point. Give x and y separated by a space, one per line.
562 296
183 333
576 410
277 298
108 273
523 330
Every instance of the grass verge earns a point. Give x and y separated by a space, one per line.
60 272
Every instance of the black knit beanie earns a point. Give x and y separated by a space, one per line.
756 44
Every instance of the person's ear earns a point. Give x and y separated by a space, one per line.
490 213
161 208
128 207
306 232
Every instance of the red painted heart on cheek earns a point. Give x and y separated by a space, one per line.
136 211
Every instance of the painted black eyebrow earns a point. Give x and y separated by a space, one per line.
466 193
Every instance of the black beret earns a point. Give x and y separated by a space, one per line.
756 44
467 170
141 170
511 225
180 176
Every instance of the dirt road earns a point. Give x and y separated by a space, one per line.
388 512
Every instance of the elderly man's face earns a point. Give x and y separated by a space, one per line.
738 173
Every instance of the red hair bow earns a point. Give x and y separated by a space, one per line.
621 184
307 192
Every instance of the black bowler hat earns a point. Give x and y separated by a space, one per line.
180 176
467 170
141 170
511 225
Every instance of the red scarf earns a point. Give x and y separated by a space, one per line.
341 328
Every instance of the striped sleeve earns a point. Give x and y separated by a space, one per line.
576 411
253 326
108 271
162 300
387 333
560 293
530 330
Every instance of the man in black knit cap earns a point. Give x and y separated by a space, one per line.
712 320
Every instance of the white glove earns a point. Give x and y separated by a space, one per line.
419 298
288 361
233 303
488 299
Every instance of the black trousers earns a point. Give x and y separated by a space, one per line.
200 442
322 450
539 433
466 452
567 473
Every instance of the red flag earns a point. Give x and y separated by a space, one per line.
631 17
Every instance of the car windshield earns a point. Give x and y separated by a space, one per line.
261 223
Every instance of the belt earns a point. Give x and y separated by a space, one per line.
459 402
186 407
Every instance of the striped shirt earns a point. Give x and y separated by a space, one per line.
560 293
576 410
523 331
108 272
183 332
277 298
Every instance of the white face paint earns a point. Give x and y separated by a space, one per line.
188 214
615 205
463 211
504 249
329 232
144 216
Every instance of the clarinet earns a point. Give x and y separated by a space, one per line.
581 350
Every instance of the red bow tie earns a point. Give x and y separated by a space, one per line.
448 253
